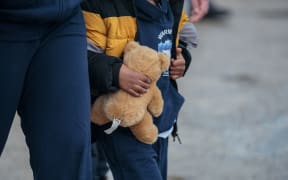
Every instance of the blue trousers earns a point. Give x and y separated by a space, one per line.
45 80
128 158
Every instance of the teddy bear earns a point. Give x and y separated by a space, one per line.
135 112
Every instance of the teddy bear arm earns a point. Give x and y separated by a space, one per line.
155 106
145 131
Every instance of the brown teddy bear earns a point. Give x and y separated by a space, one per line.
135 112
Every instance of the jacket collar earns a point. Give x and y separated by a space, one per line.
148 11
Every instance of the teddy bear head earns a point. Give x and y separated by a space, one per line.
146 60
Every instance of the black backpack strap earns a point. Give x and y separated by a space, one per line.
175 133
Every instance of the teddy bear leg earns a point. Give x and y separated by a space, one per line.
145 131
155 107
97 113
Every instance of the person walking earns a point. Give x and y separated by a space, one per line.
44 78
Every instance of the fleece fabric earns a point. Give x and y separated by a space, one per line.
155 25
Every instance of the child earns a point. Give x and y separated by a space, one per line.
110 25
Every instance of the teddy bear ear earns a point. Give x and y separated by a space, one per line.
130 45
165 62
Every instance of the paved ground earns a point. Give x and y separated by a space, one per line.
234 125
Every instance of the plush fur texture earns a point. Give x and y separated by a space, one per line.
135 112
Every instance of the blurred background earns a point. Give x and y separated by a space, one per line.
234 123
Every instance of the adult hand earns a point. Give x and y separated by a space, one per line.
134 83
177 67
199 9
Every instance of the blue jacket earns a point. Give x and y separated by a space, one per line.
155 26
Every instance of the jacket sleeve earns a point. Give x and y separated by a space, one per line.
186 54
103 73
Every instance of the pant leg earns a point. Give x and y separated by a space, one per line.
161 148
129 158
102 168
99 162
55 105
14 60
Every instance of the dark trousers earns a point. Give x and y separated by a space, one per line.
45 80
128 158
161 149
99 163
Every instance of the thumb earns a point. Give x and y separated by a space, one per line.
178 51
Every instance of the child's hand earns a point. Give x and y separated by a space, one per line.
134 83
177 66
